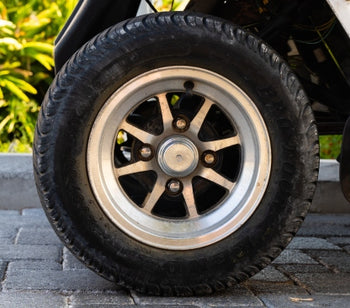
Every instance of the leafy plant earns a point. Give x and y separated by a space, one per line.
330 146
27 33
170 5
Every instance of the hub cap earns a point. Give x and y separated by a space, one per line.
178 156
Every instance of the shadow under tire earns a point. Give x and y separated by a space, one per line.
176 154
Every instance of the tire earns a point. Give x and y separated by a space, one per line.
221 139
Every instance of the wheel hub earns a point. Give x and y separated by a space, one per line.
178 156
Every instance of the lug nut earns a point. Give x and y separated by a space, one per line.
181 123
174 186
146 152
209 158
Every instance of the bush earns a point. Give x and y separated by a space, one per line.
167 5
330 146
27 33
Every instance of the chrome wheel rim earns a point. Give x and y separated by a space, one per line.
179 114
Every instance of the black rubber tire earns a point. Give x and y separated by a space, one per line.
102 66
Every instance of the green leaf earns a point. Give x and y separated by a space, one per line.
25 86
11 65
7 27
11 126
29 131
39 46
45 61
34 26
40 76
10 43
3 103
15 90
4 122
7 24
4 72
52 12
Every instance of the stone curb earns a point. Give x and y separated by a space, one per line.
17 188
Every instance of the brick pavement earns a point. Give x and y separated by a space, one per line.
37 271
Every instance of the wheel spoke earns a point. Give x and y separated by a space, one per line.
165 110
198 120
189 199
140 166
138 133
218 145
152 198
213 176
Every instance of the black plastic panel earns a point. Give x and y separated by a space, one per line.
89 18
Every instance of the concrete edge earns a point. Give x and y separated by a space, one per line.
329 171
18 191
17 187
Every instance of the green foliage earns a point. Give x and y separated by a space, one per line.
330 146
167 5
27 33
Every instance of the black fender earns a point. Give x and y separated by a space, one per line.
89 18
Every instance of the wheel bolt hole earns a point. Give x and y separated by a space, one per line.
174 186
